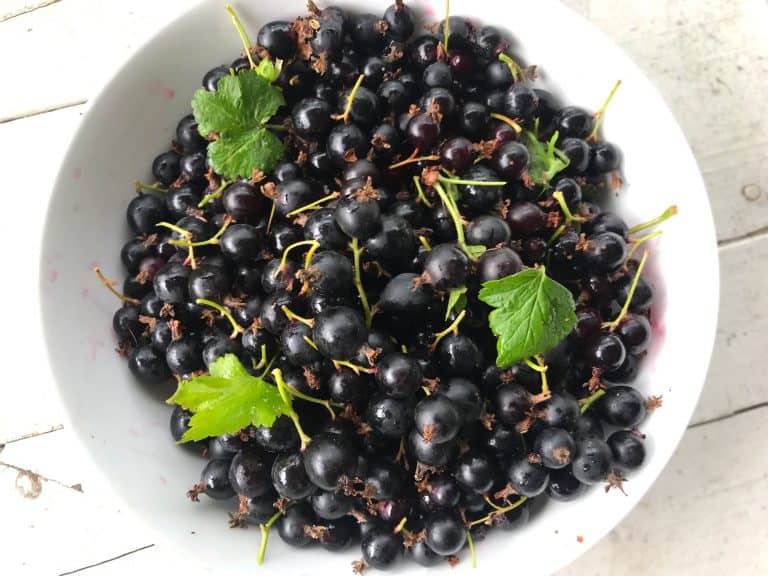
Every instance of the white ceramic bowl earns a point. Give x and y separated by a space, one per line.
131 120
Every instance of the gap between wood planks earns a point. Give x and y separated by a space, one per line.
123 555
53 108
26 10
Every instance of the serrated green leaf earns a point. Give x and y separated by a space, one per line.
268 70
533 313
546 161
227 400
239 154
457 300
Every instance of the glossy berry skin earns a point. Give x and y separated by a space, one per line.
249 474
447 266
289 477
327 458
165 168
627 448
147 365
474 119
241 243
400 21
278 39
528 479
183 356
358 218
510 159
440 493
604 157
488 231
208 283
635 333
385 480
294 346
622 406
125 322
423 132
212 77
511 403
179 423
498 263
321 226
292 525
215 480
339 332
389 416
423 555
520 102
593 460
525 218
577 152
188 135
445 532
605 252
261 509
456 154
431 453
475 471
329 273
459 356
381 548
144 212
465 395
331 505
555 446
563 485
560 411
606 352
398 375
344 138
280 437
242 201
573 122
394 245
437 418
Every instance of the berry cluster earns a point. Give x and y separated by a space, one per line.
353 267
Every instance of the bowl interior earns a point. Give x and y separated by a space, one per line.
125 427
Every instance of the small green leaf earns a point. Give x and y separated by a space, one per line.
268 70
241 153
235 113
227 400
546 160
533 313
476 250
457 300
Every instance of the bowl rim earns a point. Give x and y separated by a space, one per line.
98 473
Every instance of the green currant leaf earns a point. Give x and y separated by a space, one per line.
227 400
532 314
546 160
241 153
457 300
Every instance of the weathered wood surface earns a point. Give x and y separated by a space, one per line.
705 514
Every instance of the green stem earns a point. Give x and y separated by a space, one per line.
420 192
178 229
668 213
507 120
236 328
556 234
637 242
187 235
111 288
271 218
327 403
614 324
471 546
287 250
356 251
600 113
264 529
492 504
585 403
213 240
268 368
312 205
454 213
424 242
541 368
400 525
412 159
503 510
445 180
514 67
154 187
446 26
356 368
454 327
311 342
283 388
291 315
243 35
278 127
351 99
569 217
215 195
263 361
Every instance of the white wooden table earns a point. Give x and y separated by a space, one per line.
708 512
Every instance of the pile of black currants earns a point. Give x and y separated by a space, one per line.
349 269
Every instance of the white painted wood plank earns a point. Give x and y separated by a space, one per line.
13 8
704 516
